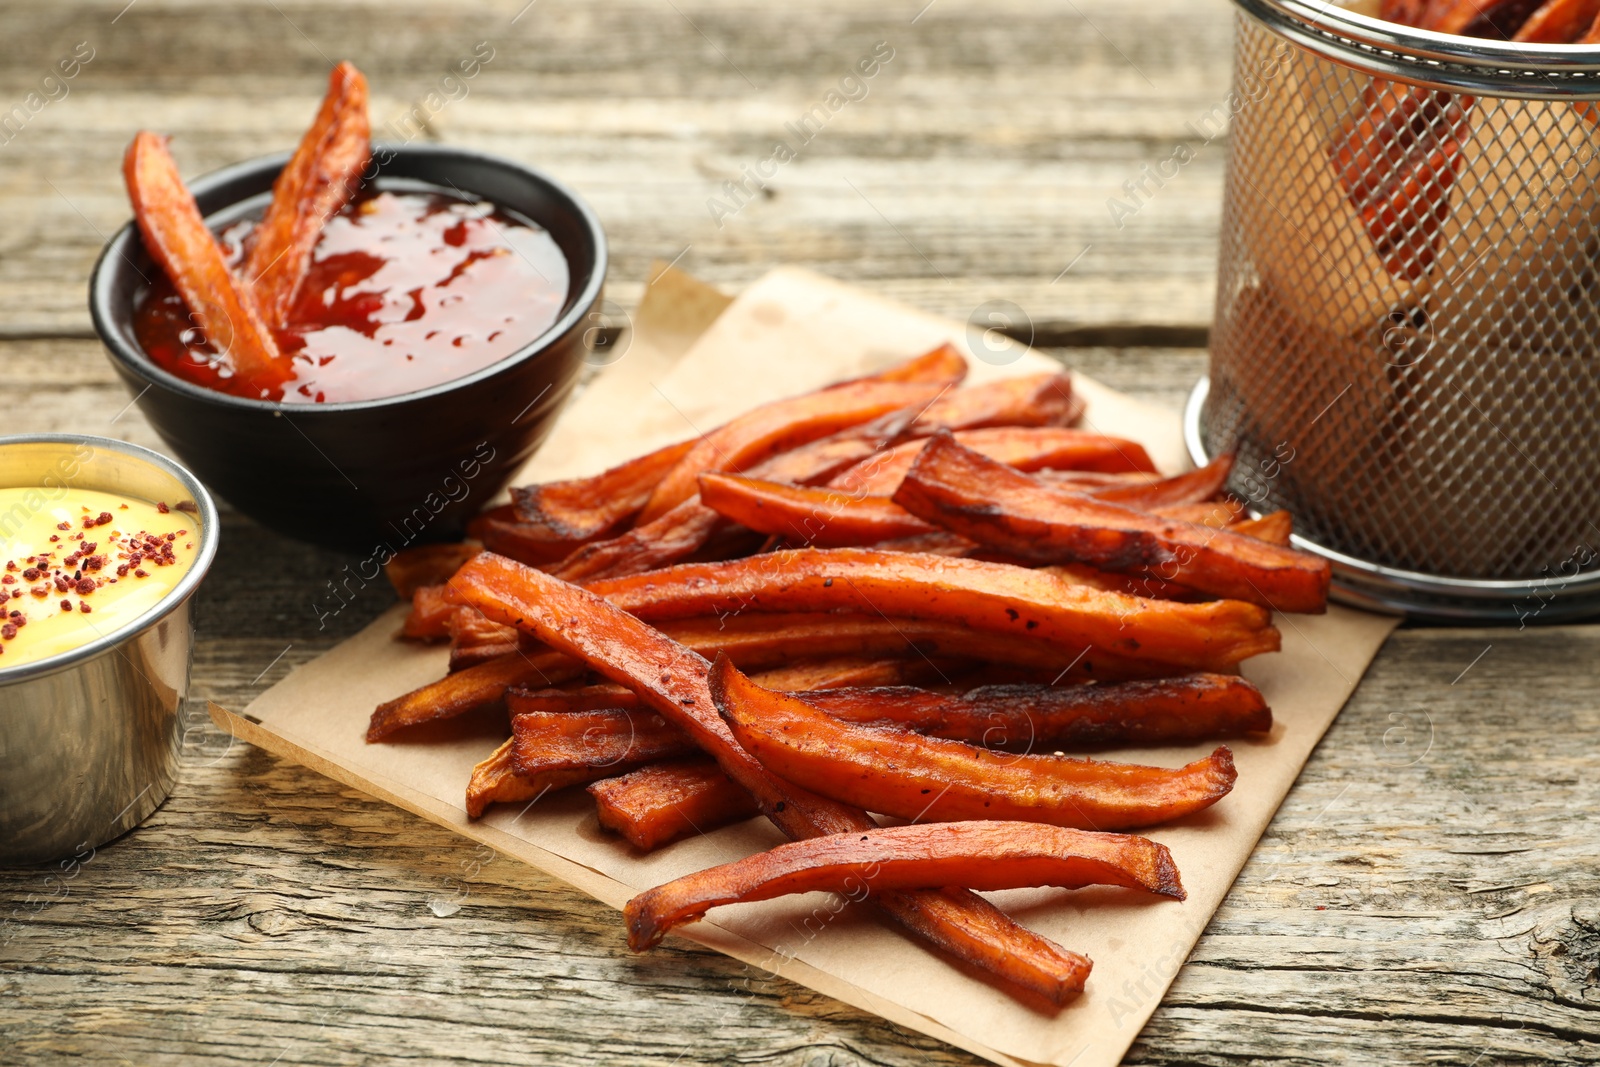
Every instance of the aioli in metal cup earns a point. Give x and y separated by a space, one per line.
90 734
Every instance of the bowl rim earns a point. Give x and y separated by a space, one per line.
132 356
210 537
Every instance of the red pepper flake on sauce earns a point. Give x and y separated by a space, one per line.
75 576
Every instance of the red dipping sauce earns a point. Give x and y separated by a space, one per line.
406 290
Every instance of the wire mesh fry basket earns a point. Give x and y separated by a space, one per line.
1406 352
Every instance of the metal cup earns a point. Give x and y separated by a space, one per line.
89 738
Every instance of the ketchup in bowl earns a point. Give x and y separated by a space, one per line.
408 287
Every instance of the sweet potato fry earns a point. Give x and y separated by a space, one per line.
1043 400
820 460
475 639
1405 225
768 641
942 366
1497 20
1588 110
679 533
495 781
500 531
1558 22
988 597
1042 718
1397 159
1217 514
1032 400
686 529
1084 481
318 180
1029 717
977 855
1025 448
467 690
663 802
862 671
938 543
469 627
602 740
466 657
567 700
607 738
431 609
1190 487
758 641
581 509
992 503
1274 528
910 776
777 427
1134 583
854 671
952 409
691 526
177 239
1419 13
412 568
803 515
673 681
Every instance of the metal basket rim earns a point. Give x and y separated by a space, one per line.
1374 586
1436 60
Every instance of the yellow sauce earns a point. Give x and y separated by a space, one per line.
77 564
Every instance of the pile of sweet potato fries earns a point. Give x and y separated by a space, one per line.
891 595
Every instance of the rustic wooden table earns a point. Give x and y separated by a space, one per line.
1428 892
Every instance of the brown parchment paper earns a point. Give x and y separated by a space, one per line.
792 331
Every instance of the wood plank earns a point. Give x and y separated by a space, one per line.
978 166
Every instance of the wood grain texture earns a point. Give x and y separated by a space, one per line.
1426 895
977 167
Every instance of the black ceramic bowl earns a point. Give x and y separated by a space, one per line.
367 474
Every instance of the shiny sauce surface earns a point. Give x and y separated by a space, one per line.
406 290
